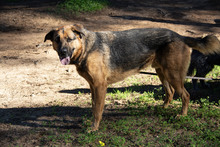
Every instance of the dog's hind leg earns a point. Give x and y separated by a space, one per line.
174 81
173 62
182 92
169 90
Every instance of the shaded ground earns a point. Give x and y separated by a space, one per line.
33 81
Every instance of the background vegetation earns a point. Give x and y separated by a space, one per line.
82 5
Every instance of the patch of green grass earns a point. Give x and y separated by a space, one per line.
143 122
215 74
147 125
156 130
119 95
83 5
55 138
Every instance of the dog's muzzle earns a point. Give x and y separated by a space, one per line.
64 56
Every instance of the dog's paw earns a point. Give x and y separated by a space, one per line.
165 105
92 129
178 116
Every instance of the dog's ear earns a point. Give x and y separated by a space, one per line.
49 36
78 29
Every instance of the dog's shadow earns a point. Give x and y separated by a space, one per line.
140 89
62 117
158 91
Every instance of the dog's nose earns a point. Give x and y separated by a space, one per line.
64 51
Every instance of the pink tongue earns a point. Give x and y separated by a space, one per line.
65 61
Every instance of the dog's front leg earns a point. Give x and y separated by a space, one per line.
98 90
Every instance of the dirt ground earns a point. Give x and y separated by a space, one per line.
31 76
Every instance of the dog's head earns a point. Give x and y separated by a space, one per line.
67 41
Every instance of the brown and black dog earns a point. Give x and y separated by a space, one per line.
202 65
103 58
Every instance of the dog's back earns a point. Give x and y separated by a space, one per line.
133 47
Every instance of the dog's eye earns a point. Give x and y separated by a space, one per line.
70 39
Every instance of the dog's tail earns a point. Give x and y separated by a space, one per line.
207 45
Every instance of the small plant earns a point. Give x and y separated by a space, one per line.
119 95
215 72
204 102
83 5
